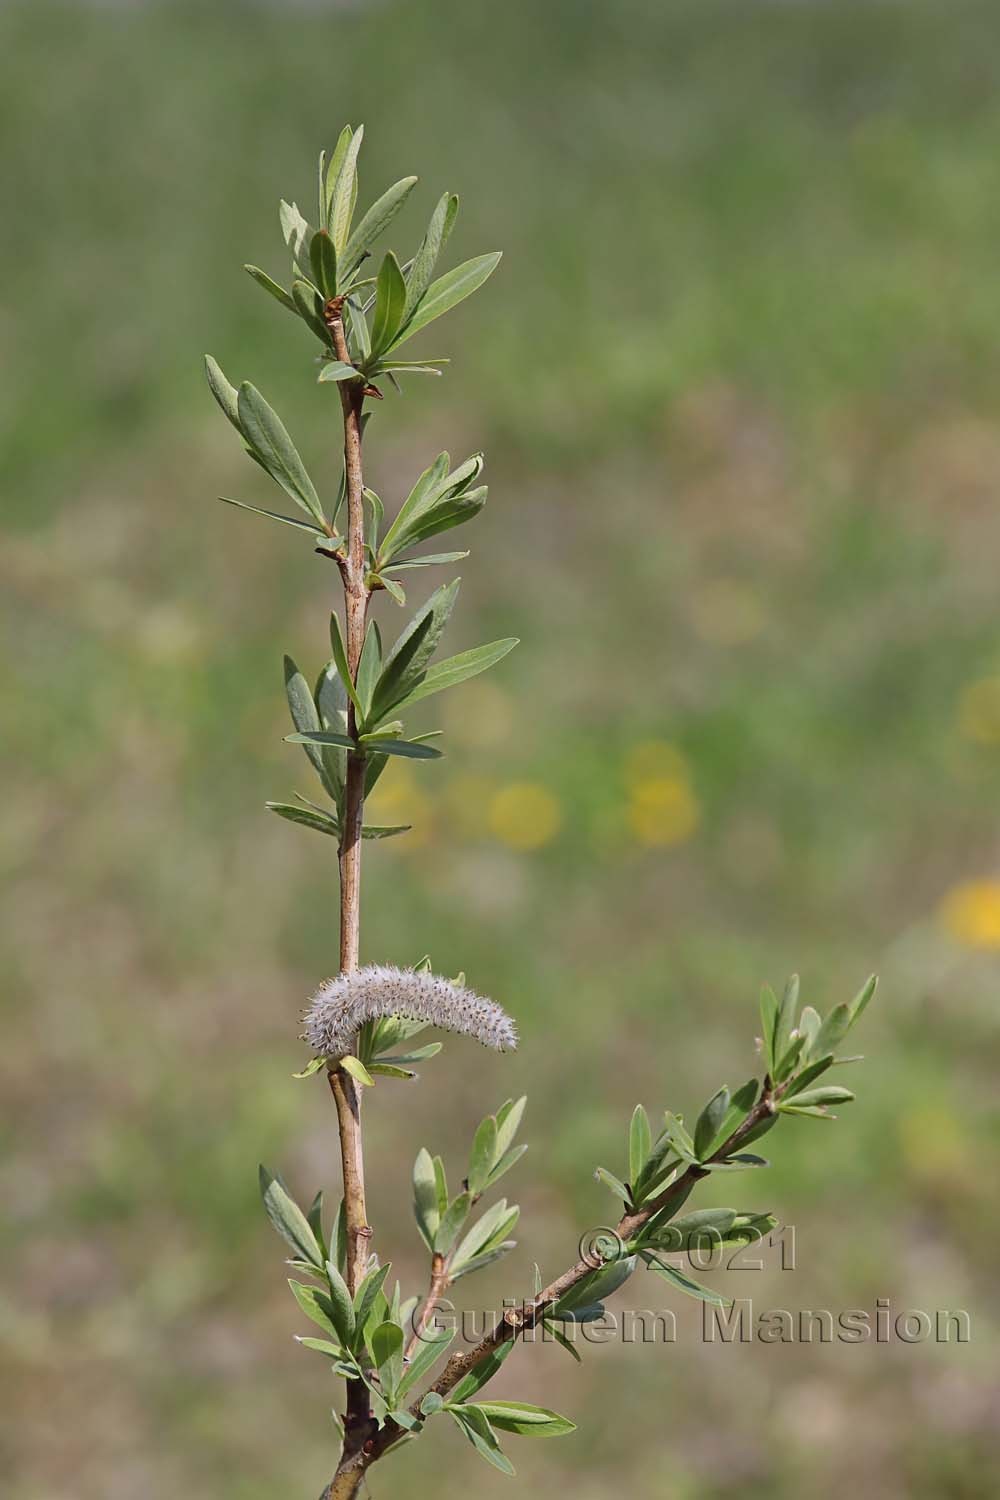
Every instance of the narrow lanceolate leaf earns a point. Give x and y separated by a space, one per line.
482 1373
344 191
509 1117
639 1142
323 259
529 1421
364 1297
343 1304
336 370
309 306
427 1354
298 235
375 222
273 515
408 749
687 1284
482 1437
224 393
829 1094
459 668
425 1197
487 1235
340 661
785 1020
707 1128
318 1306
809 1075
308 817
305 717
289 1220
332 173
266 434
321 737
387 1351
768 1020
425 259
740 1106
270 285
357 1069
410 656
450 289
390 299
614 1183
862 998
451 1222
833 1029
484 1149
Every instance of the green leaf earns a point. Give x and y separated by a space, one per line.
809 1025
456 669
438 501
483 1259
335 369
323 259
329 180
308 817
369 666
305 717
687 1284
321 737
597 1286
429 1350
508 1160
494 1226
274 515
431 560
614 1183
357 1069
529 1421
740 1106
387 1351
343 188
376 221
342 1303
309 306
408 749
639 1142
829 1094
450 289
484 1152
833 1029
425 1198
380 831
861 1000
431 1403
482 1437
741 1161
409 658
482 1373
318 1306
509 1117
340 661
367 1292
298 235
269 285
312 1066
266 434
390 298
288 1219
441 1184
426 257
706 1130
809 1074
785 1020
561 1338
451 1223
224 393
768 1021
324 1346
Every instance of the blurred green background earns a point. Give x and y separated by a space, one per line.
737 380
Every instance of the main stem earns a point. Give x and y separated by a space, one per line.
358 1422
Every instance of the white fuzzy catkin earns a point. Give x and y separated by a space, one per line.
341 1005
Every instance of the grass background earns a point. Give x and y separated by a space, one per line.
737 381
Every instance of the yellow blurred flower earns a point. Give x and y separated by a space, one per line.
971 913
663 810
648 758
524 815
979 711
398 799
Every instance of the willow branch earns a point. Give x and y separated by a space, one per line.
346 1091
